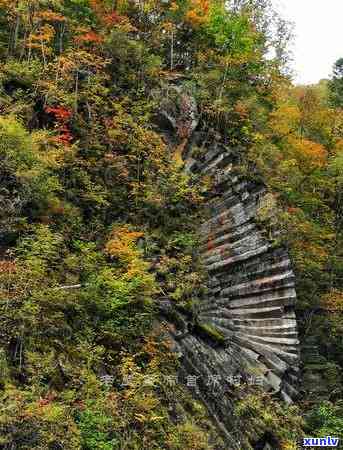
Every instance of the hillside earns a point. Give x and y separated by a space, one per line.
171 211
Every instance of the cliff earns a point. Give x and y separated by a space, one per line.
244 330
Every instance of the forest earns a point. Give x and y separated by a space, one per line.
99 220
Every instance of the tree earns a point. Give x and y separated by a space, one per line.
336 85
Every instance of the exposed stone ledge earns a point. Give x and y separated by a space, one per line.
248 323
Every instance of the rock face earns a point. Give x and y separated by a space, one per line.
246 326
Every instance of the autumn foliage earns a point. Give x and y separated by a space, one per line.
99 220
62 116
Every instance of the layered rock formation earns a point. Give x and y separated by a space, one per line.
246 330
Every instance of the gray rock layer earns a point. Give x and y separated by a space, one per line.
248 315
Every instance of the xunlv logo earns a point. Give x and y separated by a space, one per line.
321 442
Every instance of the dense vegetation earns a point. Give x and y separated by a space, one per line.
98 219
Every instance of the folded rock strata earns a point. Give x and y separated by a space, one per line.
248 328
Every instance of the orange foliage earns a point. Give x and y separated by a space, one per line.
309 154
90 37
242 110
62 116
122 244
113 19
42 37
106 16
7 267
198 12
51 16
333 301
339 146
98 7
